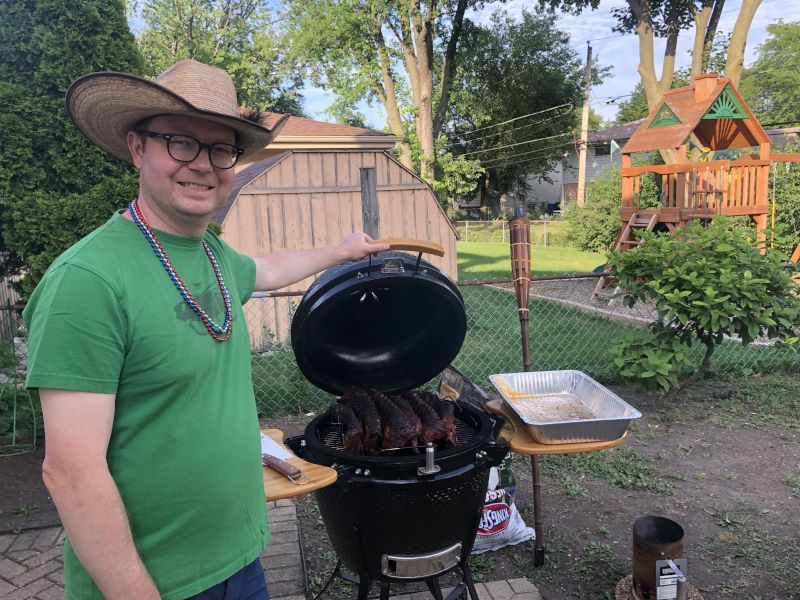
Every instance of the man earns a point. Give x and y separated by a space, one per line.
140 351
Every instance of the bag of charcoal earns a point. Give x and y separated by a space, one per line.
501 524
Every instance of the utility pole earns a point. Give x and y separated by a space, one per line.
587 84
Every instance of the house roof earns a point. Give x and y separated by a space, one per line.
620 133
710 108
781 137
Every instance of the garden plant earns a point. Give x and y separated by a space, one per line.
707 282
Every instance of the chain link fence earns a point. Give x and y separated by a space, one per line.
568 330
543 232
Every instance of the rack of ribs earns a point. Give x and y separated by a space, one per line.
352 429
397 430
432 427
446 411
365 410
412 417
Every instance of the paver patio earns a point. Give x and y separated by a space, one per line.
31 564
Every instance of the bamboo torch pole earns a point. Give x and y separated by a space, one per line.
520 238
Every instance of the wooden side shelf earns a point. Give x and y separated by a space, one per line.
523 443
278 487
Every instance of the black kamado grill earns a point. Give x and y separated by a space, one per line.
391 323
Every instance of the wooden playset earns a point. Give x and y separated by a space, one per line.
710 115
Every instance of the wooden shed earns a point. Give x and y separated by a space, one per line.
306 193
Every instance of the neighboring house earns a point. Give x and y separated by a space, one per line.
564 177
599 157
304 191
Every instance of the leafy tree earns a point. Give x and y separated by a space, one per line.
666 19
708 282
770 86
402 54
235 35
784 188
55 186
507 70
635 107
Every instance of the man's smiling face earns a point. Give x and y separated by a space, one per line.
176 196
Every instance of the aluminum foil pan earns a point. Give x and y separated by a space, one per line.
561 407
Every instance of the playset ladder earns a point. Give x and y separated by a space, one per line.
627 238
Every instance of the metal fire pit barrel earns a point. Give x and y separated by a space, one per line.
654 538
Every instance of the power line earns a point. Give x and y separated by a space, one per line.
491 135
518 118
549 137
528 152
517 162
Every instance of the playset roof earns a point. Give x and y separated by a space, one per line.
711 108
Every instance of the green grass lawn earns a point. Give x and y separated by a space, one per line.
485 260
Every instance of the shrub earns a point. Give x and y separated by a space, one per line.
652 358
594 226
709 282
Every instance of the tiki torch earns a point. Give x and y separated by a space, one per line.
520 237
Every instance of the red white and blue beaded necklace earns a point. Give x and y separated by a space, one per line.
220 334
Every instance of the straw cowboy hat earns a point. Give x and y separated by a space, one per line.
106 105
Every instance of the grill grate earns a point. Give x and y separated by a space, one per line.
331 434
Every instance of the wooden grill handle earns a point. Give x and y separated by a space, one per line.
413 245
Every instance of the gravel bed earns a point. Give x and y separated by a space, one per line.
578 293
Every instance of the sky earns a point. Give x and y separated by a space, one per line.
621 52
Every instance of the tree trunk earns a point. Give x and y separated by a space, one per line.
448 69
422 35
705 365
388 96
654 88
701 20
711 32
733 66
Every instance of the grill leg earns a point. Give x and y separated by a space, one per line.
473 593
384 590
363 588
538 550
434 587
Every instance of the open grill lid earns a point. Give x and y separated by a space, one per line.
388 323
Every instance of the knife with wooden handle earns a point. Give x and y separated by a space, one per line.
281 466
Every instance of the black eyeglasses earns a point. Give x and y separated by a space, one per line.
184 148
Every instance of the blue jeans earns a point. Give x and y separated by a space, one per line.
247 584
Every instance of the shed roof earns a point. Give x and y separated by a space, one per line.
710 107
309 127
243 177
300 133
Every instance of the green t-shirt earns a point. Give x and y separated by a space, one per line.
184 450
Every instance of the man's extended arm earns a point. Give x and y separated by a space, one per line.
75 471
280 269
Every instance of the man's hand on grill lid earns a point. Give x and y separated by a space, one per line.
358 245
